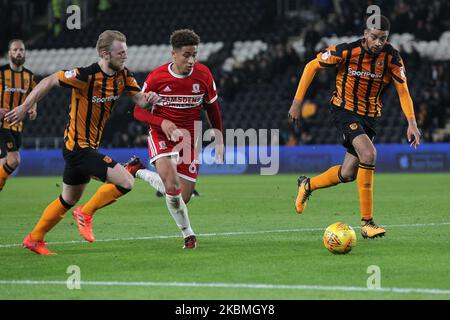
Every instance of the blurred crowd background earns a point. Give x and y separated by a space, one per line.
264 46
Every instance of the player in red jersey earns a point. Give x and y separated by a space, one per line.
185 87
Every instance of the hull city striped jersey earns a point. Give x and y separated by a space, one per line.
361 76
14 89
93 96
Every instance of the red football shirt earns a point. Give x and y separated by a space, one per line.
182 96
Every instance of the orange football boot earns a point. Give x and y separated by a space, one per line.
303 194
84 223
36 246
371 230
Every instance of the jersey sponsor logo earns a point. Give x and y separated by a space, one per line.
326 55
167 89
107 159
96 99
180 102
13 90
70 74
195 88
353 126
363 73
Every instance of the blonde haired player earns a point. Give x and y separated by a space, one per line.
94 90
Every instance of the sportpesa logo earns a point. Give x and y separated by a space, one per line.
13 90
96 99
363 73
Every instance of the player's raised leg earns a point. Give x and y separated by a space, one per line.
138 170
118 183
51 216
167 170
333 176
367 157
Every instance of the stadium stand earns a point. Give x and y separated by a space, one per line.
256 50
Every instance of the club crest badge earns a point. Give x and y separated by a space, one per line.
195 88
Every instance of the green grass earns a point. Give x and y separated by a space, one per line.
409 256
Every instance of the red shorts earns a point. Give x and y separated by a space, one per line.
159 146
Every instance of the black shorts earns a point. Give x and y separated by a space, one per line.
84 164
10 141
350 125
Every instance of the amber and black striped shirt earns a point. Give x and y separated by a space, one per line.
93 96
361 76
14 89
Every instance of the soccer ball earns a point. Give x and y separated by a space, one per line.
339 238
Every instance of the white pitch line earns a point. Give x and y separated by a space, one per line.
227 285
236 233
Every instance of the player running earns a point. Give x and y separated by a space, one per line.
364 69
185 88
16 83
94 91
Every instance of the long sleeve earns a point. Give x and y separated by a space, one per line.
405 99
214 115
307 77
146 116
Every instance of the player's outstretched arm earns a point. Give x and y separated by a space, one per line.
412 133
305 81
146 100
144 115
18 114
168 127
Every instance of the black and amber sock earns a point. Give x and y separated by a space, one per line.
53 214
5 172
365 190
105 195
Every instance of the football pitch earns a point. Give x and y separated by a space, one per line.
252 244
